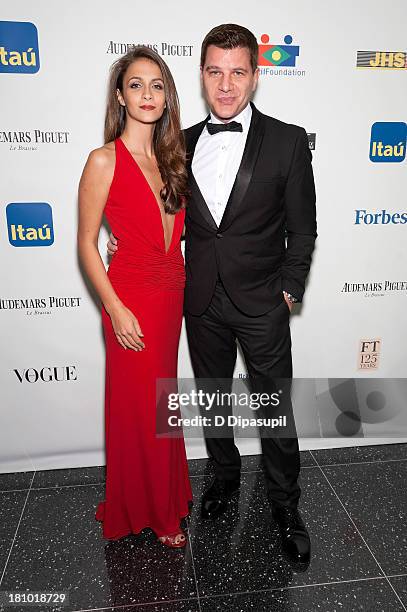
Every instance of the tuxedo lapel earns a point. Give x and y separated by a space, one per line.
244 174
191 138
197 198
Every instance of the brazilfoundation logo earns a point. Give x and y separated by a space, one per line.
35 306
30 224
165 49
19 51
278 59
389 60
369 354
375 288
18 140
388 142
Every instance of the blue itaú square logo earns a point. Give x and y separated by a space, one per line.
388 141
30 224
19 50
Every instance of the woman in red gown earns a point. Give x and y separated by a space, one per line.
138 180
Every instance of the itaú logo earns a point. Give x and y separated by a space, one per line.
388 141
19 50
364 217
30 224
47 374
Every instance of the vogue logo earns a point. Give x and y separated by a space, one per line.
47 374
19 47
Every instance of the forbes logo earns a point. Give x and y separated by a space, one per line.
30 224
388 141
380 218
19 50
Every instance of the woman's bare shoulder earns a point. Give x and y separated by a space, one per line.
103 158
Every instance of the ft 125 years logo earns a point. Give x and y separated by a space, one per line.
30 224
388 141
369 353
19 51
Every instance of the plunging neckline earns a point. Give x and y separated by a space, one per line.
155 200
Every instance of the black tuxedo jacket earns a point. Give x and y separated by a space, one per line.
267 234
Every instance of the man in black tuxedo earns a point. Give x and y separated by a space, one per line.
250 234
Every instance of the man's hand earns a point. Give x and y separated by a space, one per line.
112 245
287 301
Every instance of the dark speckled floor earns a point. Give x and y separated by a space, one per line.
354 502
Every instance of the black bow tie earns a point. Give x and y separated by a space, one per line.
232 126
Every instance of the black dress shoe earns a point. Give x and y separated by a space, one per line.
294 535
215 499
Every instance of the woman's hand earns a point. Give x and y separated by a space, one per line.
112 245
127 329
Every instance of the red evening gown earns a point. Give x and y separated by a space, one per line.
147 482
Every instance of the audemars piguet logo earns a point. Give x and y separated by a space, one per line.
162 48
30 140
378 288
36 306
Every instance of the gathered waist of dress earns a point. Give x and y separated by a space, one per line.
157 270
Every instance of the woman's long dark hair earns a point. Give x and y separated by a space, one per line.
168 140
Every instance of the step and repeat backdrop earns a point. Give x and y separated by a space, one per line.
337 69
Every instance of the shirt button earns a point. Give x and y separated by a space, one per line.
223 148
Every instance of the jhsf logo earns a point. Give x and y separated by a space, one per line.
277 55
388 141
30 224
19 50
381 59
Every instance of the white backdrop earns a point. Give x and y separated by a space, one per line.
53 417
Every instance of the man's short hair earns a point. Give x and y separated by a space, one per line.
231 36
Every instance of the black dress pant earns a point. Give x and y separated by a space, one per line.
266 344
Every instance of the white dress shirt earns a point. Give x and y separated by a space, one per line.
216 161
